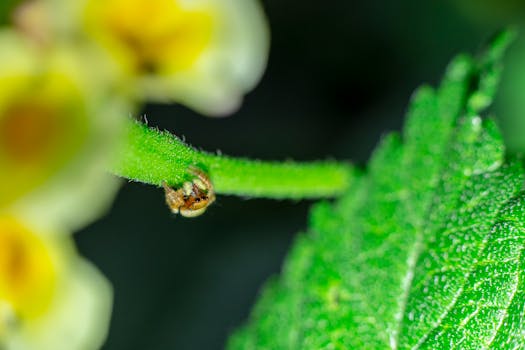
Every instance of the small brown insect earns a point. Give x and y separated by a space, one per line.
193 197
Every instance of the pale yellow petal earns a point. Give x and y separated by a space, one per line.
50 298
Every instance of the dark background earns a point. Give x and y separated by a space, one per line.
340 75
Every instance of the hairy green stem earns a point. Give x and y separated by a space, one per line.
152 156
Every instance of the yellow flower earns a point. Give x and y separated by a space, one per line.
50 298
58 127
170 39
202 53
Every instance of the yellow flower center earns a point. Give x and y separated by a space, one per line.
42 125
157 36
28 131
27 274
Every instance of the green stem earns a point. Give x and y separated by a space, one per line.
152 156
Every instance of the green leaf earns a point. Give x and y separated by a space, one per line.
425 249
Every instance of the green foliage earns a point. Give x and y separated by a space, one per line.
424 250
152 156
6 8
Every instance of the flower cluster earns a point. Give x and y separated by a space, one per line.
71 73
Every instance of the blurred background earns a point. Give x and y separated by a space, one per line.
340 75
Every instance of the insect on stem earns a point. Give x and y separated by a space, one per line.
194 197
